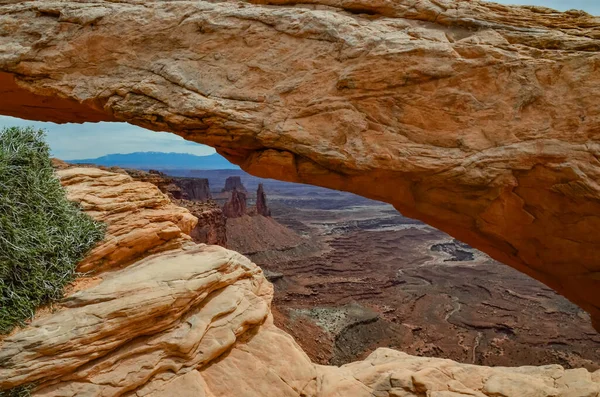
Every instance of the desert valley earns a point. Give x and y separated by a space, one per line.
331 198
352 274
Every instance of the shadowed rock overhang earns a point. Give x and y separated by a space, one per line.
480 119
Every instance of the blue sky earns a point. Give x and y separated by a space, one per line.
81 141
590 6
91 140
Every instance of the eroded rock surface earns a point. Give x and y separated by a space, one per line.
260 235
196 189
261 201
212 224
477 118
195 321
140 219
195 304
235 207
234 183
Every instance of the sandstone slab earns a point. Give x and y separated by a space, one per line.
140 219
477 118
195 321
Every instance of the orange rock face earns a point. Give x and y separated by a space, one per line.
261 201
140 219
212 224
195 321
479 119
236 205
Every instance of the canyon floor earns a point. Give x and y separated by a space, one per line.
363 276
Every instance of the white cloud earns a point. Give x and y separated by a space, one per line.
91 140
590 6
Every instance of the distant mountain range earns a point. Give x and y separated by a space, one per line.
161 161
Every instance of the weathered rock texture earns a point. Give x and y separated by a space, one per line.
195 321
196 189
234 183
162 181
212 224
477 118
236 205
141 220
261 201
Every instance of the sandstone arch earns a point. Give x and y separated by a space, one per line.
479 119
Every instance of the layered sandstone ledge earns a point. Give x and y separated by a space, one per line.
477 118
194 320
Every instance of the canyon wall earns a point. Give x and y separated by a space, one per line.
234 183
212 223
235 207
477 118
190 193
205 327
261 201
196 189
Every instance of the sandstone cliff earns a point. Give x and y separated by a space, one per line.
477 118
234 183
196 189
165 183
212 224
235 207
205 329
261 201
141 220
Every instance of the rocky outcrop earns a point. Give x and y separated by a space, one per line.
196 189
477 118
261 201
385 373
141 220
161 180
234 183
212 224
236 205
205 329
196 303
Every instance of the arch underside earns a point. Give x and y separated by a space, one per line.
481 120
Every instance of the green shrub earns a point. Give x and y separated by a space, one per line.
42 235
19 391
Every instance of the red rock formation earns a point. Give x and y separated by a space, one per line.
236 206
211 227
212 224
250 235
194 320
261 201
141 220
234 182
477 118
165 183
195 189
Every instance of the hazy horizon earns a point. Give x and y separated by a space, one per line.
144 152
589 6
91 140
